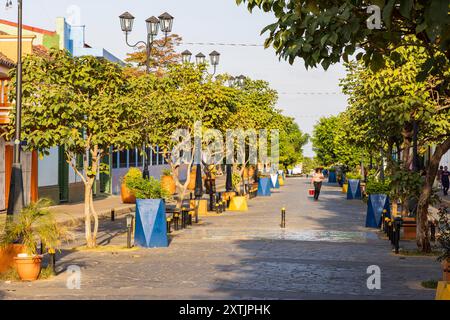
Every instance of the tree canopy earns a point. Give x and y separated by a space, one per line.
322 32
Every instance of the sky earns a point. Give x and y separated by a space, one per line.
203 21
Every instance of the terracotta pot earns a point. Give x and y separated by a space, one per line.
7 255
127 195
29 267
446 270
251 172
168 184
191 185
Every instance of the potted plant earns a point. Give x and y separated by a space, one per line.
444 241
236 182
33 226
125 192
353 186
378 202
150 229
237 203
168 182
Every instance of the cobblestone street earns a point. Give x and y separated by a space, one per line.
323 253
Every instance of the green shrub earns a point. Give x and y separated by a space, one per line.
353 176
144 188
132 174
378 187
236 180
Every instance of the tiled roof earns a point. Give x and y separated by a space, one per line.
5 61
29 28
40 50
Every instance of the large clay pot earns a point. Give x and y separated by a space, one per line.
251 172
168 184
7 255
126 194
446 270
28 267
191 185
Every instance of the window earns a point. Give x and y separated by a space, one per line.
132 157
115 163
123 155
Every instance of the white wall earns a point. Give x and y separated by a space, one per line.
48 169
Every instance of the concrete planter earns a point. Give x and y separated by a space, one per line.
375 206
332 177
264 185
354 189
151 230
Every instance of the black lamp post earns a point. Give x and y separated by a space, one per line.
16 199
163 22
198 182
229 180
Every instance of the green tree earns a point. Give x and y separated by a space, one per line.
78 103
323 32
292 141
386 103
323 140
178 100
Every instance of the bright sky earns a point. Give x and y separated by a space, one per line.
217 21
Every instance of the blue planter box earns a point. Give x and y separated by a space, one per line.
375 206
264 185
332 177
274 183
151 229
354 189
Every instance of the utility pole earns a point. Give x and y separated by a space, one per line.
16 199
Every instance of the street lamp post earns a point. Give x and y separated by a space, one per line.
200 58
163 22
16 194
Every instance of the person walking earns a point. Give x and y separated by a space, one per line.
445 180
317 180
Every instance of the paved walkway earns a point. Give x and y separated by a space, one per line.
323 253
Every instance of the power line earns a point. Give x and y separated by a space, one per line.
220 44
312 93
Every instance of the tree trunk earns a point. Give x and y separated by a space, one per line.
95 215
407 134
87 216
423 239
